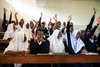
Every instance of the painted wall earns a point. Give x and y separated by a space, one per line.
81 10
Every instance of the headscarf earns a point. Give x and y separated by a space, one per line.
56 45
18 27
77 44
17 43
28 31
10 31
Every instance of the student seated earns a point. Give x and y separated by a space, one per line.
10 32
17 46
38 45
75 44
89 37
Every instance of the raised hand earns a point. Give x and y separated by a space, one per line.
50 18
10 12
16 13
55 19
4 9
69 18
41 14
98 21
94 10
55 15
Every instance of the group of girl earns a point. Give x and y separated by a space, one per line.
29 38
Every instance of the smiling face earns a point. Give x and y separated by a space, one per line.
39 33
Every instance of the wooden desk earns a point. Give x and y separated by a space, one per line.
44 59
4 41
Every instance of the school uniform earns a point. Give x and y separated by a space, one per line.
90 43
45 31
38 47
50 31
75 46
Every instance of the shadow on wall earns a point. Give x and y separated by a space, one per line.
1 25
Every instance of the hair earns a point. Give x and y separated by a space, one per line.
52 24
13 21
59 22
43 23
71 25
39 29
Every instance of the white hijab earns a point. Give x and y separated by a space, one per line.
17 43
77 44
10 32
18 27
27 31
56 45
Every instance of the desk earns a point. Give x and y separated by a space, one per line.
45 59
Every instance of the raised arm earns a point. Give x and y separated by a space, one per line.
35 21
89 26
62 30
40 19
93 30
55 25
4 17
16 18
49 22
10 17
70 49
4 20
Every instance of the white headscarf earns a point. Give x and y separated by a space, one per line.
17 43
10 31
56 45
27 31
18 27
77 44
